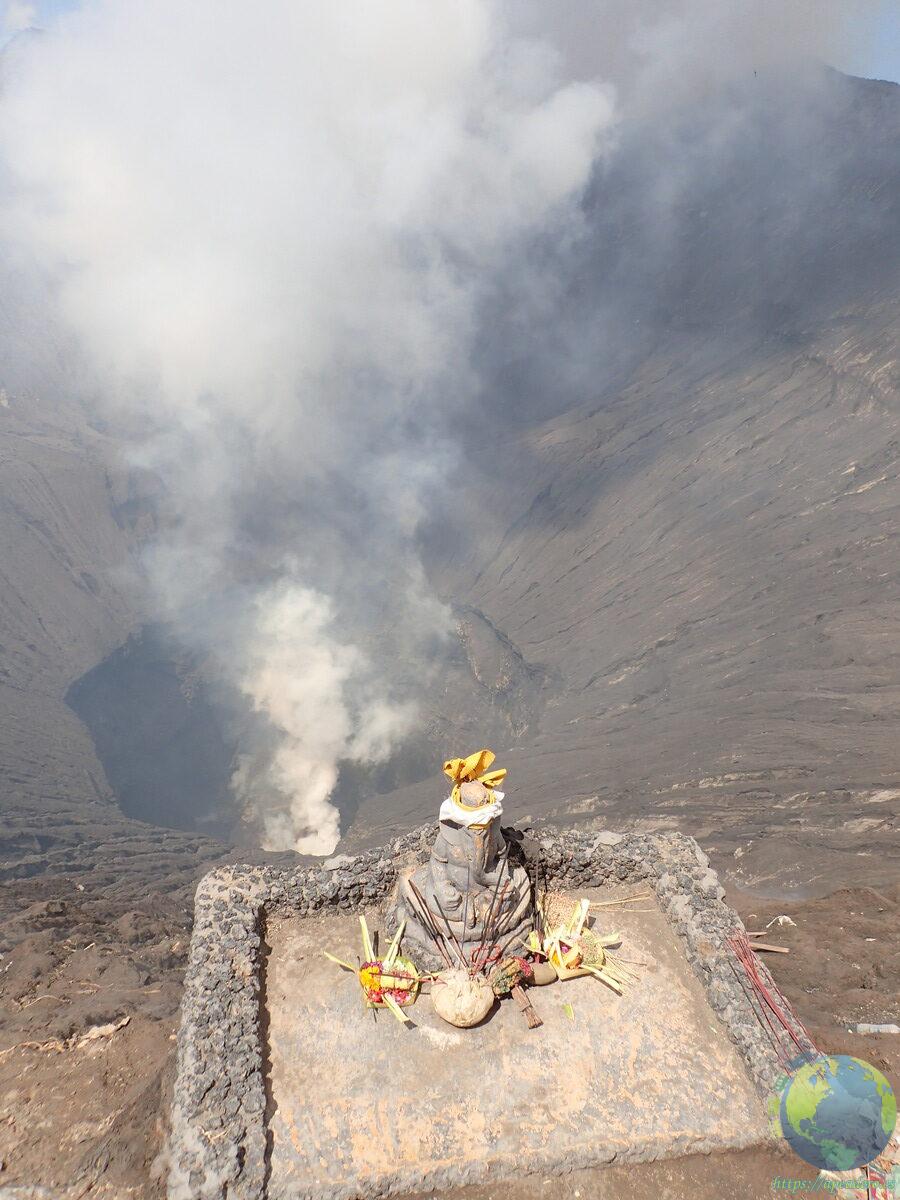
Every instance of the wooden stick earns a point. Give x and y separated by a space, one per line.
485 950
430 926
509 941
540 910
491 924
503 919
544 900
424 911
773 949
624 900
426 914
489 916
453 937
466 905
524 1004
424 904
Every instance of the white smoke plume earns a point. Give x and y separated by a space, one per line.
18 15
312 690
270 232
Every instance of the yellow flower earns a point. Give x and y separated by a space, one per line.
370 977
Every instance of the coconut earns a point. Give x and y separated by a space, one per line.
543 973
461 1000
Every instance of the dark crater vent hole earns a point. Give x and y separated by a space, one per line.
160 737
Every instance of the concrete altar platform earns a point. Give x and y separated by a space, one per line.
359 1105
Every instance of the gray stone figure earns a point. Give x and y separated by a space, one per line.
468 870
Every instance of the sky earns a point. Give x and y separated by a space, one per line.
884 59
875 53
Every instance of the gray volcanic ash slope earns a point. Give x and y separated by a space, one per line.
702 563
59 611
70 518
706 569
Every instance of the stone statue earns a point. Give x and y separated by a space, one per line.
469 875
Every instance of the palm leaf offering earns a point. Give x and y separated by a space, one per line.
574 948
391 982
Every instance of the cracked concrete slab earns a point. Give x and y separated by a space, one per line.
361 1106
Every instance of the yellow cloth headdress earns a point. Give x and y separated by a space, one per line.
473 769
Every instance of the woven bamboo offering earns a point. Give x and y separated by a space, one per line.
573 947
390 982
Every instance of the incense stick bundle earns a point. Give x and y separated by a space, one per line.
454 939
430 925
484 951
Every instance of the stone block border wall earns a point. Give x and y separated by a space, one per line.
218 1140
